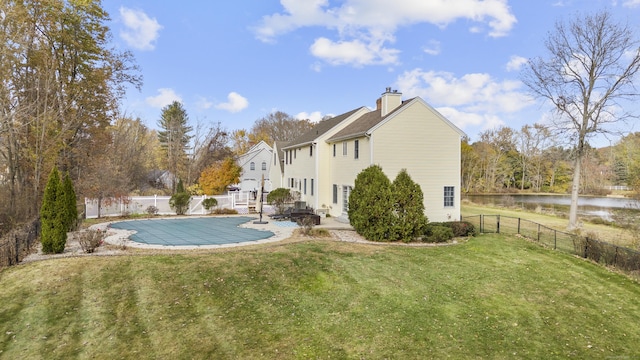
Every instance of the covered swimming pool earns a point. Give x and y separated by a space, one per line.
192 231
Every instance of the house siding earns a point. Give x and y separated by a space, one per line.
345 169
318 167
418 140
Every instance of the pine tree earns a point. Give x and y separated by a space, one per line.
174 137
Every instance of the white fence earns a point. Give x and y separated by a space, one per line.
242 202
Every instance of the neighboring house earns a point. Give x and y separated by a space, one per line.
255 164
161 179
323 163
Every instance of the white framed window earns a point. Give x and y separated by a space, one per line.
344 148
252 166
335 193
449 196
356 149
264 165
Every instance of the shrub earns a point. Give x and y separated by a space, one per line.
225 211
152 210
209 203
408 208
179 201
459 228
278 198
89 240
306 223
371 205
437 234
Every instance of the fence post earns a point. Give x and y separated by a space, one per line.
17 248
518 226
555 239
498 224
538 232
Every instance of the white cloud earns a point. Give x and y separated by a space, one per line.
165 97
433 48
631 3
471 99
235 103
203 103
516 62
315 116
353 52
364 28
141 31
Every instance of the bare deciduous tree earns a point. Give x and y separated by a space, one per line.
588 74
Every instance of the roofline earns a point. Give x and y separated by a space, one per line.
298 145
315 139
416 99
348 137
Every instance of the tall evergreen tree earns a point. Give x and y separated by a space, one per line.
410 220
53 234
174 138
371 205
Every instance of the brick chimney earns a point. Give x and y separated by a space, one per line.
390 100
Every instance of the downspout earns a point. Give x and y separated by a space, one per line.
316 192
370 137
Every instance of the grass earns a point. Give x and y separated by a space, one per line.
490 297
608 233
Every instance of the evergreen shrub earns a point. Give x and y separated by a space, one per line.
179 201
437 234
371 205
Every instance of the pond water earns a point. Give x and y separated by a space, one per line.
607 208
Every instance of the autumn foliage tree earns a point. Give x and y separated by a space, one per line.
215 178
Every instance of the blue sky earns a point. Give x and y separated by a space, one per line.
236 61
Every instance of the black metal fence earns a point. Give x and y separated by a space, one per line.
17 243
599 251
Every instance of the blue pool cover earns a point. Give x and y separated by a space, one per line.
192 231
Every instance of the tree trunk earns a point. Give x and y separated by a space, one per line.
575 188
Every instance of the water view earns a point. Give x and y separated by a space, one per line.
607 208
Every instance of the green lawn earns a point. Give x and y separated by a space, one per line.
611 234
492 297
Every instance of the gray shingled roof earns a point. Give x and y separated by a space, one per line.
321 128
363 124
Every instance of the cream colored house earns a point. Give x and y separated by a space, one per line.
323 163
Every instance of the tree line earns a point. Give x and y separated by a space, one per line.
534 159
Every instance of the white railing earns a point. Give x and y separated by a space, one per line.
242 202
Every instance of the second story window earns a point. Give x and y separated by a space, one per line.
310 150
356 149
252 166
344 148
334 150
264 165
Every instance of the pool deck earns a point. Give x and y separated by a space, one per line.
281 230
